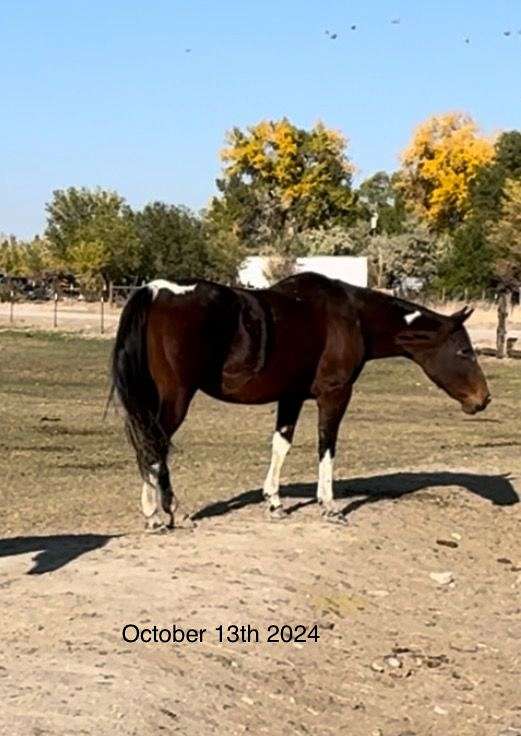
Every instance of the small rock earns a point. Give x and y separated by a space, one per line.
378 593
447 543
393 662
247 700
504 561
464 646
455 535
377 667
442 578
440 711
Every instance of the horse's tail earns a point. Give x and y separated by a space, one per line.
132 382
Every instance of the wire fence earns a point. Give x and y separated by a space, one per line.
61 313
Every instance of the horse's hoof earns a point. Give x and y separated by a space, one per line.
276 513
186 523
157 528
334 517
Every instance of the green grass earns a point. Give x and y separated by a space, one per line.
63 468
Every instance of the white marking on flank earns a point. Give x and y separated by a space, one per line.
158 284
280 447
325 479
409 318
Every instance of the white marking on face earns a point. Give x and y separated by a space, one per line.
158 284
325 479
280 447
409 318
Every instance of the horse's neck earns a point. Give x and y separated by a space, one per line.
382 317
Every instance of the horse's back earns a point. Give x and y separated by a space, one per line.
246 345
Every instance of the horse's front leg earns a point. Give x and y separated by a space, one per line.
288 411
331 408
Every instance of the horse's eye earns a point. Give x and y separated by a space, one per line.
466 353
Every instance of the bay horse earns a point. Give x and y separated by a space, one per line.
306 337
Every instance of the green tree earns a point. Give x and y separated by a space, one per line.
175 243
172 242
505 237
279 180
486 190
82 221
26 258
336 240
468 263
379 195
415 253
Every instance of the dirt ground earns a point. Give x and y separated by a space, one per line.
417 601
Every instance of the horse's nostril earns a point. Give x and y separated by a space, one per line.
488 399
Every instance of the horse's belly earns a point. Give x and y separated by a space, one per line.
260 388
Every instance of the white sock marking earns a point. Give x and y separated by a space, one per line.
158 284
325 479
280 447
409 318
150 492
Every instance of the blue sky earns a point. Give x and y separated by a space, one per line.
104 93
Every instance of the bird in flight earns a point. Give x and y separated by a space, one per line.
507 33
353 27
395 21
187 51
467 40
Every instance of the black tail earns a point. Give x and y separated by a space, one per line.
133 384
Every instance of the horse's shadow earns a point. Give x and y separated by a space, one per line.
53 551
494 488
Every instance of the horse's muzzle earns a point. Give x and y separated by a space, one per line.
472 407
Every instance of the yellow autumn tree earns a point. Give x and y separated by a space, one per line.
279 179
443 157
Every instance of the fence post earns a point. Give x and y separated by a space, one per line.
11 308
111 294
102 315
502 314
55 310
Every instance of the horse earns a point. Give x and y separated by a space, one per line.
306 337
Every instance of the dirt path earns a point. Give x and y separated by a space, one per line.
398 654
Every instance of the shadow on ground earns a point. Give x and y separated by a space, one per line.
494 488
53 551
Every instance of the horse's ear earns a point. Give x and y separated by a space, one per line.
462 315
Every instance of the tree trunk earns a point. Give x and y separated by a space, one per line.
501 334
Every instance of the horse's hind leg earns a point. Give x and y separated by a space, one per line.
158 501
287 415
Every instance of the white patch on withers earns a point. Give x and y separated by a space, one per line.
280 447
409 318
158 284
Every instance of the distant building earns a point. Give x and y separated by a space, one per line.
352 269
